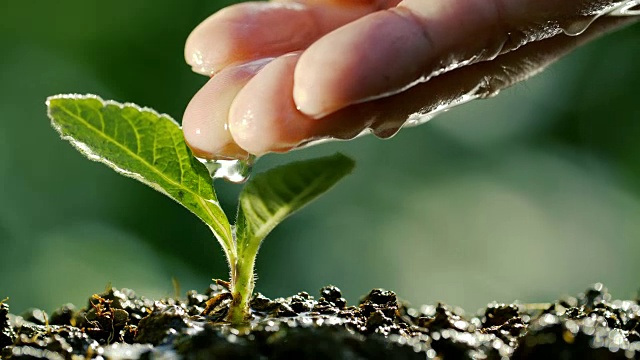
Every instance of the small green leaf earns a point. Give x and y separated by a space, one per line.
265 201
272 196
144 145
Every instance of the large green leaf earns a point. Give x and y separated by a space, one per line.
272 196
142 144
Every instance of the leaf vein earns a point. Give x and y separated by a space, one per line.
202 201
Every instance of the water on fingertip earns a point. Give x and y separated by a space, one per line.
481 91
385 133
577 27
236 171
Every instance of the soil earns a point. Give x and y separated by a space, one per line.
120 325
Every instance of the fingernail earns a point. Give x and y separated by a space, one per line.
200 66
315 106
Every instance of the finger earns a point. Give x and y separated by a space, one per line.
254 30
263 119
204 122
388 51
480 80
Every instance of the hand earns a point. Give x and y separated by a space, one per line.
288 72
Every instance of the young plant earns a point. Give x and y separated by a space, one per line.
149 147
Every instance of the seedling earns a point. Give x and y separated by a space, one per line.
149 147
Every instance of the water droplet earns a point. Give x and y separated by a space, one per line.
577 27
625 8
233 170
480 91
385 133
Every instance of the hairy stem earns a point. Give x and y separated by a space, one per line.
242 283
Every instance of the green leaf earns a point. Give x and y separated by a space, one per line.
272 196
142 144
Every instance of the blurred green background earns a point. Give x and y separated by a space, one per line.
529 195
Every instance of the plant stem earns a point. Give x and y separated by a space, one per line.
242 284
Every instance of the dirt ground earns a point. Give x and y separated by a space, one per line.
120 325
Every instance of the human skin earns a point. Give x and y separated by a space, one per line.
285 72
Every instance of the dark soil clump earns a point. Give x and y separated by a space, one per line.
120 325
6 332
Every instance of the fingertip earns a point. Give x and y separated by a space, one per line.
263 117
247 31
377 55
204 129
211 44
316 85
310 96
204 122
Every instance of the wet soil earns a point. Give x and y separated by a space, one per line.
120 325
